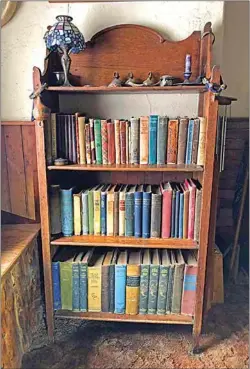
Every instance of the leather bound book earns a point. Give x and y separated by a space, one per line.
178 281
91 210
104 210
112 282
116 209
53 136
81 151
167 192
83 270
104 134
173 211
191 212
144 281
97 209
94 283
127 141
163 282
185 210
76 281
156 210
88 147
68 137
58 136
66 280
195 140
57 304
129 144
144 127
55 209
182 140
110 210
92 140
189 284
120 282
73 127
197 220
77 203
77 139
177 210
146 210
162 133
122 210
202 140
172 141
85 213
133 283
98 141
111 143
153 124
123 141
105 281
170 285
190 136
129 211
181 210
138 210
153 282
67 218
134 122
117 142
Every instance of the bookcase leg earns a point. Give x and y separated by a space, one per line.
197 349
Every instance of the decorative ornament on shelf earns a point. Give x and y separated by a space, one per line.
65 38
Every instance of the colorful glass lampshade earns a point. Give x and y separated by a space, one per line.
65 38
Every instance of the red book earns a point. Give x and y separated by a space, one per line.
104 133
191 210
189 285
92 140
173 126
166 190
111 143
123 141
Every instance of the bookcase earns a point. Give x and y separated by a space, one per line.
126 48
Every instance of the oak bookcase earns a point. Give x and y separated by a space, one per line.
140 49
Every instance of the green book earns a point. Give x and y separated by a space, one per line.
66 281
163 282
91 210
153 282
98 140
178 281
144 282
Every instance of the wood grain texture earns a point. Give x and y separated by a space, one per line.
5 190
17 123
130 168
122 90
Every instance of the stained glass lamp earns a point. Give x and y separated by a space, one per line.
65 38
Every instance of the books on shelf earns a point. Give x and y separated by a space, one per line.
141 281
148 140
168 210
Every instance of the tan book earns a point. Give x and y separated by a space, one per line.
144 122
110 210
116 210
82 141
182 140
117 142
133 283
97 209
122 210
95 283
77 205
202 140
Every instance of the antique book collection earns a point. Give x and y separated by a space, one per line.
141 281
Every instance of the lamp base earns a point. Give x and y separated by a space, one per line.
65 60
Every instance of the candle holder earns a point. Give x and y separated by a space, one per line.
187 75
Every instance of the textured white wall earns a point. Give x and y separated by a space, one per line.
22 45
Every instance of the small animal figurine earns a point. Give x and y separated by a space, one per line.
132 82
150 81
167 80
116 82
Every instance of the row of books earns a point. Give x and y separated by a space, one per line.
125 282
149 211
150 140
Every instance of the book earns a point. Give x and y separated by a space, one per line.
146 210
191 208
195 140
163 282
181 211
134 123
53 137
170 284
76 281
104 209
68 137
189 284
98 140
91 210
58 136
85 212
117 142
177 210
179 265
120 282
172 141
104 136
129 211
97 209
173 210
144 127
116 209
153 282
83 283
189 147
162 133
127 141
111 291
123 141
88 145
197 219
56 284
66 200
185 210
110 210
55 209
122 210
73 128
66 280
138 210
77 138
82 140
111 143
152 148
156 205
144 281
182 140
133 283
92 141
95 282
77 209
202 140
105 281
167 191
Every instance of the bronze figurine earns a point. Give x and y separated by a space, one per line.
116 82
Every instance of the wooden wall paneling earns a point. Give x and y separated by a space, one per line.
5 190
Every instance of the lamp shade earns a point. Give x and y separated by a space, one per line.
64 34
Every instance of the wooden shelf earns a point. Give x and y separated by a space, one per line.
129 168
105 89
161 319
117 241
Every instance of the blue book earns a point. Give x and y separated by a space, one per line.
173 212
129 211
66 200
83 276
138 210
189 147
152 148
85 213
162 132
146 211
181 209
56 282
104 210
177 211
76 282
120 283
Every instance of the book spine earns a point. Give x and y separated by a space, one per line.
91 212
201 142
111 143
134 141
129 144
73 127
85 214
104 132
197 220
122 214
55 209
110 214
68 138
177 289
153 288
58 136
77 215
105 289
47 138
111 288
64 136
162 132
173 215
185 215
120 288
181 209
144 140
177 214
138 214
77 139
127 141
98 141
94 289
162 290
189 141
191 213
144 287
123 141
117 142
129 214
155 228
56 285
103 213
146 214
83 270
116 213
82 140
92 141
88 147
97 212
182 141
153 122
66 285
172 142
66 198
53 137
170 290
189 290
75 287
166 214
195 140
132 289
